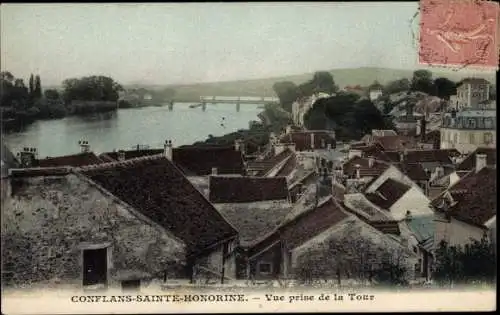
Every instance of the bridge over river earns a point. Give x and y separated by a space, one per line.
235 100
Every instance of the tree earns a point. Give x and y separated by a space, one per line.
375 85
93 88
51 94
422 81
475 261
323 82
287 93
31 85
397 86
445 88
37 92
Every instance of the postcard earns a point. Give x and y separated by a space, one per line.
248 157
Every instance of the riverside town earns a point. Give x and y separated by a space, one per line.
200 162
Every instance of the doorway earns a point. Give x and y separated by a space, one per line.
95 266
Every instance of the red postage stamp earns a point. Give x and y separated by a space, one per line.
459 33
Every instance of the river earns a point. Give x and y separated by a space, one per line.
126 128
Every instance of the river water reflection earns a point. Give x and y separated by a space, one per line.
126 128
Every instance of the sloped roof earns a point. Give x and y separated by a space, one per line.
388 193
199 160
226 189
376 169
469 162
442 156
422 227
415 171
399 142
255 219
302 139
473 81
76 160
474 197
159 190
129 154
361 206
264 166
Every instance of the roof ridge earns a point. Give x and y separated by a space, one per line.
128 162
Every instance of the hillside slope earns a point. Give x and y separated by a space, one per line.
263 87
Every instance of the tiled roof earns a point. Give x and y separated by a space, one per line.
199 160
432 136
474 196
363 208
76 160
469 162
289 166
264 166
388 193
391 143
158 189
442 156
474 81
302 139
255 219
311 223
232 189
365 170
129 154
422 227
415 171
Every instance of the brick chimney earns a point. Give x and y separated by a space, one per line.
371 161
84 146
167 149
214 171
358 172
312 140
480 161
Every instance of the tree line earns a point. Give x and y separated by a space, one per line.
21 104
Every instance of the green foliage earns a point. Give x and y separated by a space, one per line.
350 116
422 81
93 88
444 88
476 261
397 86
52 94
287 93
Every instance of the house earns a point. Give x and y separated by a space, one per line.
466 130
255 206
467 210
470 93
29 158
309 140
470 161
192 160
287 252
399 199
392 143
375 93
139 218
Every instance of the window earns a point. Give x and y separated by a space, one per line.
455 138
472 138
488 123
488 138
265 267
472 123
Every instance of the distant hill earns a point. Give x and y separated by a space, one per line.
263 87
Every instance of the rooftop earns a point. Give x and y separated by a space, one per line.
225 189
469 162
76 160
474 197
388 193
199 160
302 139
158 189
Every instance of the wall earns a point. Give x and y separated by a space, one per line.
46 220
413 200
455 232
213 260
272 255
460 139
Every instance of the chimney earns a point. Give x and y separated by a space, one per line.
329 146
214 171
121 155
27 157
371 161
167 149
84 146
237 145
408 216
288 129
480 161
358 172
312 140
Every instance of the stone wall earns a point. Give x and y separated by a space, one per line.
47 220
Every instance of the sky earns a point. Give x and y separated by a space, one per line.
173 43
